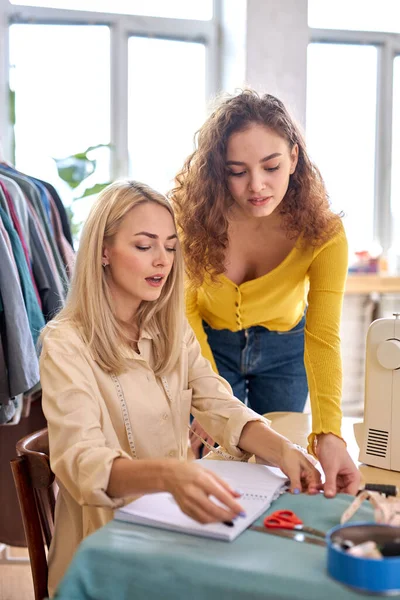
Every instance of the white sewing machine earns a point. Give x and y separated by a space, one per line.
379 441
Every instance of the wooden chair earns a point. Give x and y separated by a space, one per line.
36 491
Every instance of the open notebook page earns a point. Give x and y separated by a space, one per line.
260 485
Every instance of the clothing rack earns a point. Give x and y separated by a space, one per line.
36 266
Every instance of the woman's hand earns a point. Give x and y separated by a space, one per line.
192 486
341 474
259 439
303 475
195 442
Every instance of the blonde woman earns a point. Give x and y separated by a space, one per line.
121 371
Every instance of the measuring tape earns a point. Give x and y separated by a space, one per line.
125 415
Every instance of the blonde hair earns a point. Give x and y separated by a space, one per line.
89 302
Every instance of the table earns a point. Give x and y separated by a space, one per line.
367 283
130 562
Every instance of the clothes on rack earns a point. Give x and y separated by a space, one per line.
62 212
37 259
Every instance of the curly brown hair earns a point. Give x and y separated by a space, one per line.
202 200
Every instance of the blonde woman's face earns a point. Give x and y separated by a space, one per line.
140 257
259 163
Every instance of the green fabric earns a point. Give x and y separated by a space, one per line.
124 562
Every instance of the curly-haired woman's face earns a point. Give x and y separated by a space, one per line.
259 163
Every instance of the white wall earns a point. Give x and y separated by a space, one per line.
264 45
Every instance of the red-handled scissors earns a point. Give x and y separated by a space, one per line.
286 519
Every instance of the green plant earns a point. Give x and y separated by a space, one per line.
74 170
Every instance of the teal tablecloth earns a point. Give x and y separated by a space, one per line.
131 562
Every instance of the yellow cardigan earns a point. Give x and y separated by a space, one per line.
312 277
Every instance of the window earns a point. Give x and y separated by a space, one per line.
177 9
166 106
341 125
353 83
361 15
62 96
131 76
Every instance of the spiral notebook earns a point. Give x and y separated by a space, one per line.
260 486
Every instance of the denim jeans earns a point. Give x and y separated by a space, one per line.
264 368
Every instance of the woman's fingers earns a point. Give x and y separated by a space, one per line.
200 506
346 484
198 513
215 512
204 510
203 495
208 510
311 478
302 474
226 486
211 487
294 473
222 491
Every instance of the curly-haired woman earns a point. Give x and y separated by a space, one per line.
266 260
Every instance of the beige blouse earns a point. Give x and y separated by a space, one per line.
87 430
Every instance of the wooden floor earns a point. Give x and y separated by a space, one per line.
16 579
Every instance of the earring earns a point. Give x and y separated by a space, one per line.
103 264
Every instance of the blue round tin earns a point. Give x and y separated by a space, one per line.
376 576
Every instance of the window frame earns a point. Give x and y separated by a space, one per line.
388 47
121 28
